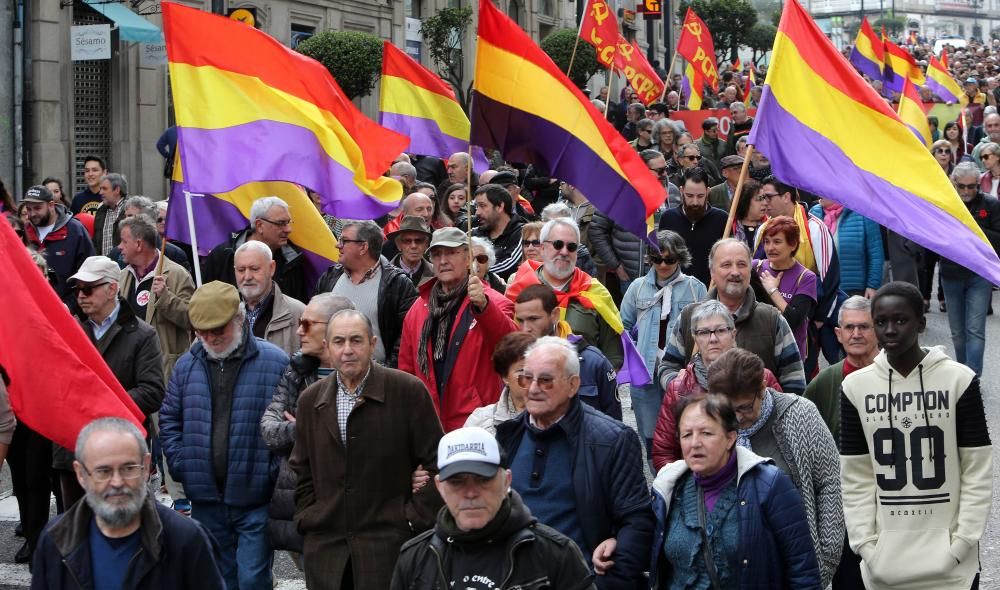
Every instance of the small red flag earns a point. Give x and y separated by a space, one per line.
600 28
58 381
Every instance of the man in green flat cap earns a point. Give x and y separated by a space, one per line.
210 432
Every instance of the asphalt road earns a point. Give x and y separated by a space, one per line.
13 576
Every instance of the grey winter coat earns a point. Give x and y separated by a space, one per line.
616 246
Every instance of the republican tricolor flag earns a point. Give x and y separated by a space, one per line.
941 83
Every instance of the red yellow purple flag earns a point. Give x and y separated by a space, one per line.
911 113
941 83
868 54
909 193
529 110
250 109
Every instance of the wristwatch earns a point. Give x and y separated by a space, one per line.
771 292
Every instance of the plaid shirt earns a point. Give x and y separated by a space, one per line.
346 401
108 237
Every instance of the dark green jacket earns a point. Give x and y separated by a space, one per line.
824 391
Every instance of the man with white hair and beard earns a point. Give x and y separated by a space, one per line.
589 309
121 537
760 328
271 314
210 432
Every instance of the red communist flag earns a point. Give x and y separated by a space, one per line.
696 46
600 28
58 380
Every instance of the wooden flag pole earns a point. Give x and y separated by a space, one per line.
468 208
736 194
579 31
607 103
670 71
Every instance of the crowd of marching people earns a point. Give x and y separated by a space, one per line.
441 409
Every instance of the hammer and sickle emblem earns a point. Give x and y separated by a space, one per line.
600 11
694 29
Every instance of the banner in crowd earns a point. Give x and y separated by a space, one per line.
899 65
692 120
941 83
908 193
641 76
600 28
58 381
696 46
244 93
868 53
911 113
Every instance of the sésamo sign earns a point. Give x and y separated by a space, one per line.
89 42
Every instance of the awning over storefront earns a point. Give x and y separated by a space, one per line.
131 26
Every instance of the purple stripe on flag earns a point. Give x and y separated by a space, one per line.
215 220
891 80
220 160
810 161
524 137
940 91
427 139
633 370
922 139
865 65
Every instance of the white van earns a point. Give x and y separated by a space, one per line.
956 42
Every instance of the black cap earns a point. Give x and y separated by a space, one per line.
38 194
504 178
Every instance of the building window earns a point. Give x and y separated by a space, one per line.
515 11
412 8
300 33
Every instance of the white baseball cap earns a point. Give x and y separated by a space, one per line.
468 450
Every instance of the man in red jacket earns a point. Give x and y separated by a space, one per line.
451 330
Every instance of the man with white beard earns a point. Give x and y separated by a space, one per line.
121 537
210 432
271 315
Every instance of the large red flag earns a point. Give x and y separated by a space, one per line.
640 74
599 27
58 381
696 46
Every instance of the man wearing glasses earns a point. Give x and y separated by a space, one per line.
966 293
577 470
121 537
210 432
271 223
379 290
127 344
696 221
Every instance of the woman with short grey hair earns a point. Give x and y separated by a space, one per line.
650 309
990 155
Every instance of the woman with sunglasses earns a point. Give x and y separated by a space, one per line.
531 243
942 153
714 332
650 309
990 155
484 256
508 362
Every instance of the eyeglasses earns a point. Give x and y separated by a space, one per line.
769 196
946 150
646 130
545 382
88 290
745 409
342 241
850 328
531 243
692 158
761 198
961 186
984 156
308 324
413 241
654 259
279 223
659 171
160 219
104 474
482 258
708 333
216 332
559 245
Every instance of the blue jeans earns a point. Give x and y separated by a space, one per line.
244 550
646 400
968 300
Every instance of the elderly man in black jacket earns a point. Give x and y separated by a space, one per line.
136 541
379 290
579 471
485 537
128 345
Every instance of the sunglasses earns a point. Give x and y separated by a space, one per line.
945 151
531 243
692 158
961 186
659 171
653 259
308 324
88 290
160 220
482 258
559 245
545 382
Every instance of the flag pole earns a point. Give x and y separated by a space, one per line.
579 31
468 207
736 194
607 103
666 83
194 240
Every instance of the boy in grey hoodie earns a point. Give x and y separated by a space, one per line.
916 461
